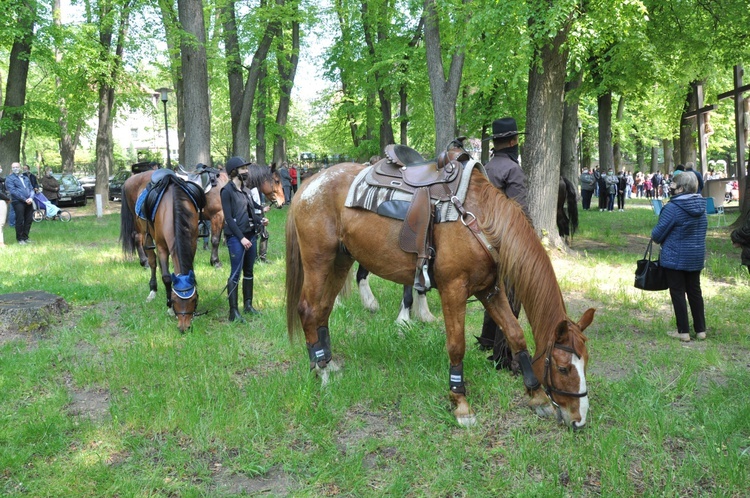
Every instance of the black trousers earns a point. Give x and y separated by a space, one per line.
24 219
688 283
586 198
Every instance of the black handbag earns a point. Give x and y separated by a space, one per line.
650 275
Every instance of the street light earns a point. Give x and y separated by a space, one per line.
164 93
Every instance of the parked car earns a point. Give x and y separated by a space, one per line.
115 184
88 183
71 191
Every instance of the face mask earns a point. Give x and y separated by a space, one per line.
16 170
243 177
609 172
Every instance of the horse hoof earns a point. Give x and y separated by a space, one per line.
170 312
326 374
217 265
466 420
151 296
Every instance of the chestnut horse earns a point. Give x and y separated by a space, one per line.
269 183
493 244
174 232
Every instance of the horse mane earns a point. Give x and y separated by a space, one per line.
184 228
257 176
522 259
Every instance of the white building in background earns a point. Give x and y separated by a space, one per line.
137 130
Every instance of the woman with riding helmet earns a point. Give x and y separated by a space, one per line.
243 220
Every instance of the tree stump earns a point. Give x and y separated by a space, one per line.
31 311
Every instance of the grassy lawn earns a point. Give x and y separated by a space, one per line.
114 401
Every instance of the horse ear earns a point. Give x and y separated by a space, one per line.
586 319
562 329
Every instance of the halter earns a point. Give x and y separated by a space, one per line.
549 388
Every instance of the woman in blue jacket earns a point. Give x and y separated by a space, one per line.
681 231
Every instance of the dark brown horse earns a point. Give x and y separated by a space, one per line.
324 238
173 233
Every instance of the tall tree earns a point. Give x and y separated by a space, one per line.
195 83
549 23
444 88
11 120
287 65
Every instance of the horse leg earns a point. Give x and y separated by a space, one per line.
369 302
152 282
407 300
422 309
454 311
498 307
215 241
321 285
166 277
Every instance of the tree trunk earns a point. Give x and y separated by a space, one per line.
616 149
287 72
444 91
688 129
544 118
606 156
195 79
569 160
667 146
386 115
260 120
242 104
403 115
173 31
640 152
676 151
67 142
654 161
15 89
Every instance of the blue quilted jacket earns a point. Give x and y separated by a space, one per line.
681 231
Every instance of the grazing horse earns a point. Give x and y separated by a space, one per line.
493 243
567 224
173 233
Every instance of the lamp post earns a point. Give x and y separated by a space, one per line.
164 93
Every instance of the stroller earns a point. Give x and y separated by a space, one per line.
44 209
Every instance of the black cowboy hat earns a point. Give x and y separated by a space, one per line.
234 163
504 128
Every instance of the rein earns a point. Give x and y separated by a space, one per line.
549 388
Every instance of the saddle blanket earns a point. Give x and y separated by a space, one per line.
395 203
148 200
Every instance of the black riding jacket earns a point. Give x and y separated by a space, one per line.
241 218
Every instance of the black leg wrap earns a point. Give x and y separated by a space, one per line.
456 380
529 379
320 352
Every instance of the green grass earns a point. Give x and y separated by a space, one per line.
114 401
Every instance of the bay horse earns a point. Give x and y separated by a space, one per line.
324 238
567 223
174 233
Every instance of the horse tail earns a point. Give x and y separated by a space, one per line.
127 225
572 205
294 276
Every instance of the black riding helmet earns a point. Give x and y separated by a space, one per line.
234 163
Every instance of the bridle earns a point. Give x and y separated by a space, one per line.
549 388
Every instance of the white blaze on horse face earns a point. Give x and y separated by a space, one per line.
583 404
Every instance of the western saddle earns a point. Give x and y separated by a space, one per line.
428 182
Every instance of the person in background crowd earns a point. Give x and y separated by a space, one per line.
630 182
741 238
601 186
4 200
50 187
648 187
690 167
505 173
21 194
622 186
286 182
611 182
293 176
681 232
588 185
32 178
242 222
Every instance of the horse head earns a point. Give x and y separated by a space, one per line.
268 181
561 368
276 188
184 299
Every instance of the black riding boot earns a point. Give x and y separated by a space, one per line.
247 294
234 312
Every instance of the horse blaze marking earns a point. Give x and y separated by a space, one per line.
583 404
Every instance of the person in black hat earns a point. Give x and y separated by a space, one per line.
505 173
243 220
